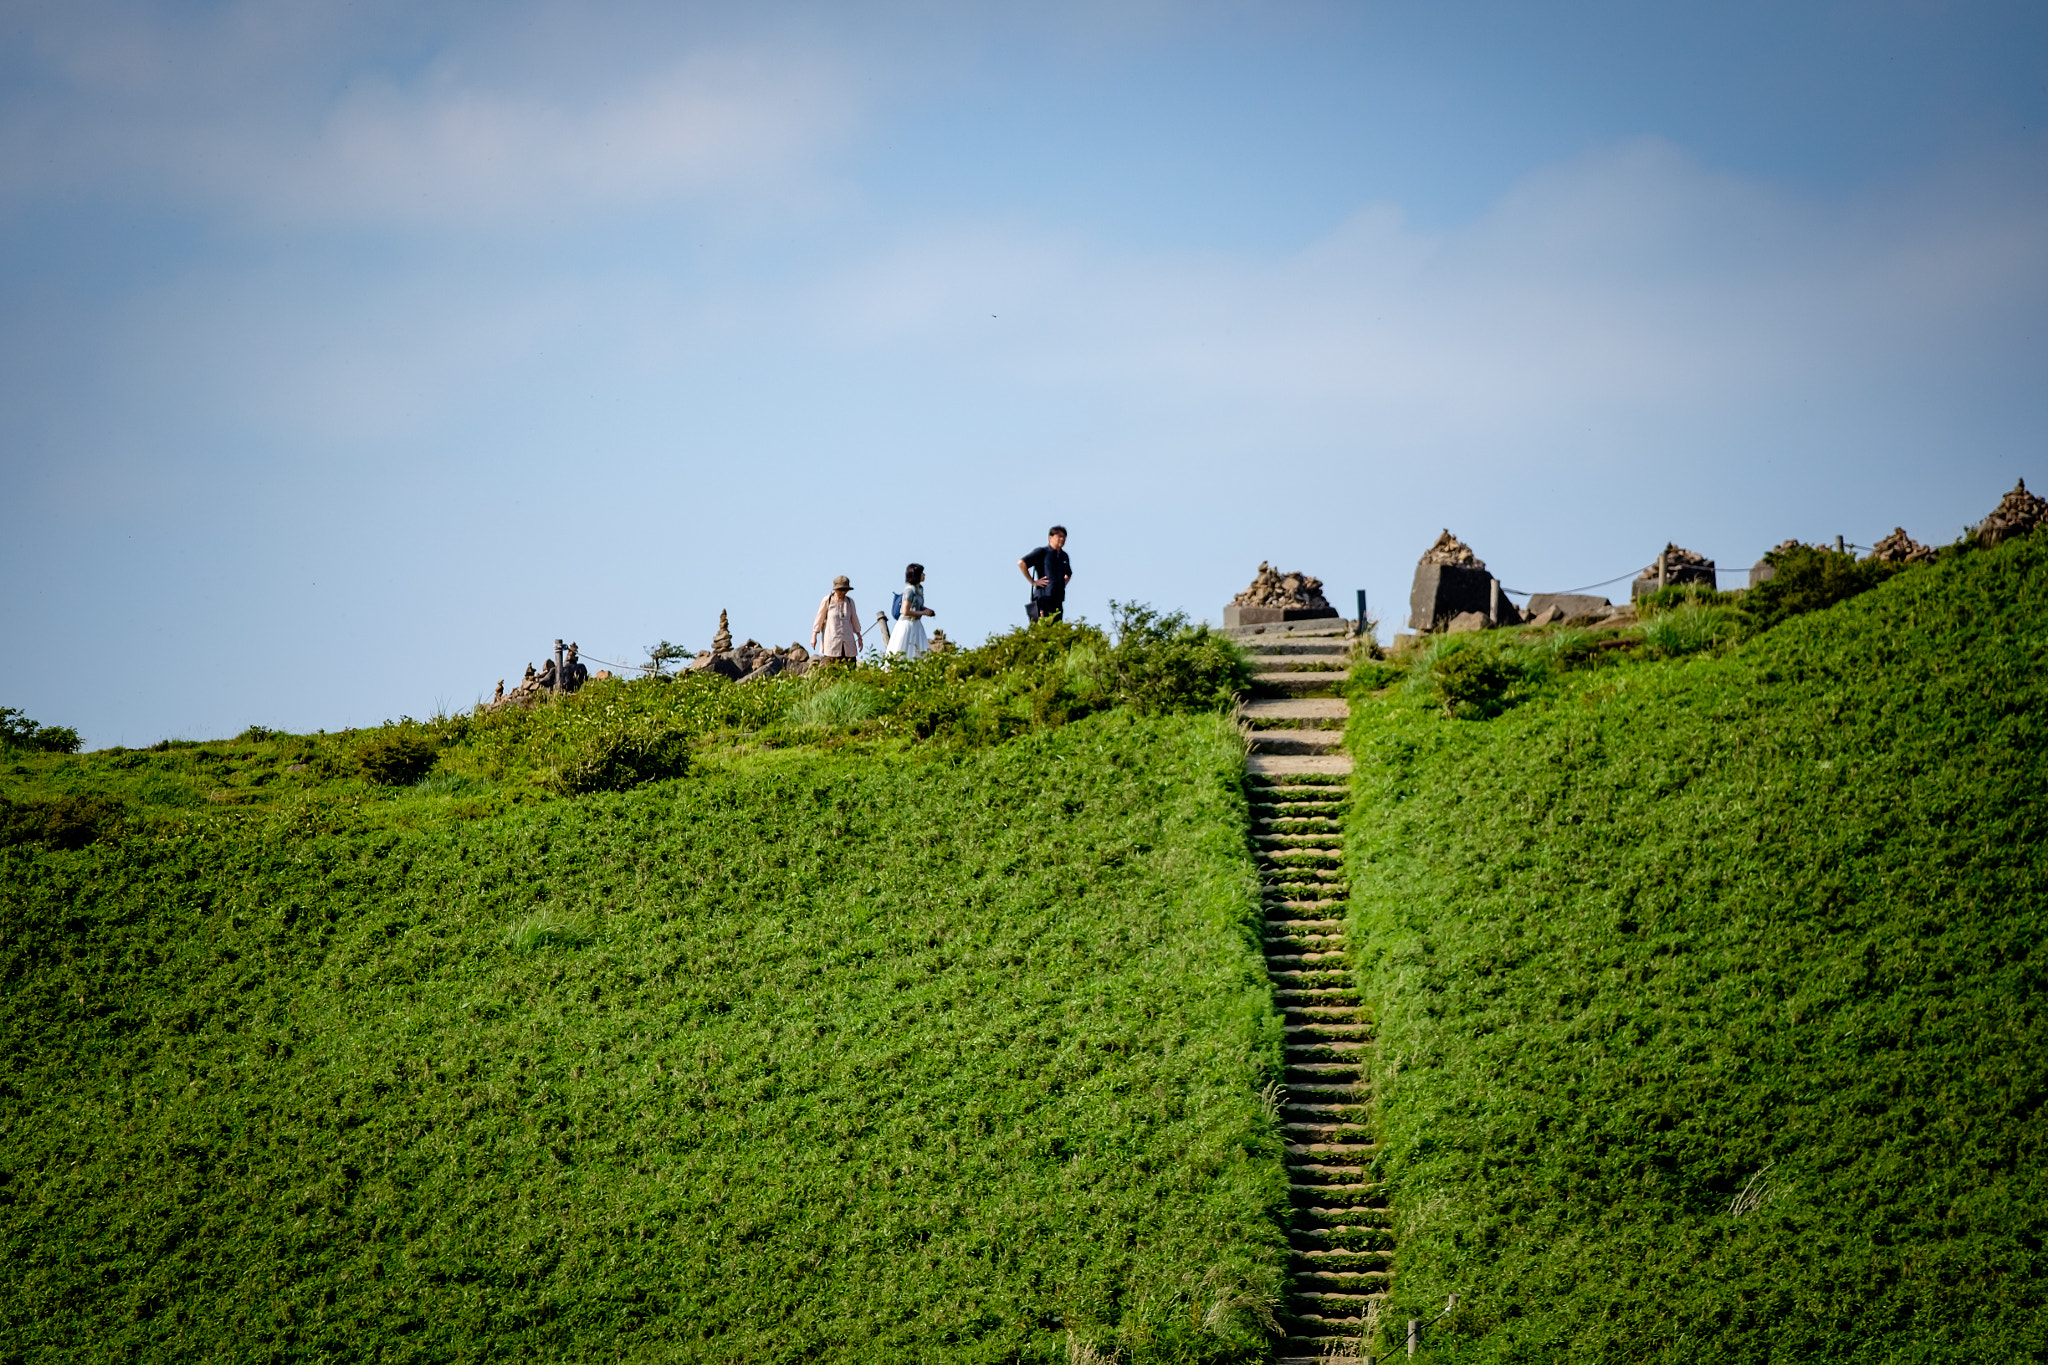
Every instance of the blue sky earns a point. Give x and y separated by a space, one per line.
354 352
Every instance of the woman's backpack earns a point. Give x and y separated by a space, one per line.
896 607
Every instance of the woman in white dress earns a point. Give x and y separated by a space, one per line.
907 639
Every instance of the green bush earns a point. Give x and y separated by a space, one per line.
623 759
1809 578
68 822
1472 682
17 731
397 757
1162 664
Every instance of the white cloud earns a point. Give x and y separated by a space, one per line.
296 115
1631 278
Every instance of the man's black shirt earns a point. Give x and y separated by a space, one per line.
1046 562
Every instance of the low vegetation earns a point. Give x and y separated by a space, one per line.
876 1051
1709 989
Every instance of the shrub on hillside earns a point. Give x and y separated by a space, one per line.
1473 683
397 757
1809 578
619 760
1162 664
17 731
69 822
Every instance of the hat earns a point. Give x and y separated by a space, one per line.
842 582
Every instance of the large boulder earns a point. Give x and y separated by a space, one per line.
1567 604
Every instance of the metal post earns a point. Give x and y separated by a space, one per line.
558 665
1361 612
1414 1334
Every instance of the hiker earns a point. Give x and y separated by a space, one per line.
908 637
1047 569
838 623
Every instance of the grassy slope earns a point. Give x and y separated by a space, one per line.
1677 925
925 1056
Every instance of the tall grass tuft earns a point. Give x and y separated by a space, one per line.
839 706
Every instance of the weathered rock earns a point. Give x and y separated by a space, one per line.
939 644
1453 551
2017 513
1900 548
1568 603
1467 621
1547 617
1675 565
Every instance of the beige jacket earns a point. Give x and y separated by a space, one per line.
838 625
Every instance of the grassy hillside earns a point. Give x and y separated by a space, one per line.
878 1052
1712 991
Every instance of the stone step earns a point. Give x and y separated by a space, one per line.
1305 709
1297 741
1271 765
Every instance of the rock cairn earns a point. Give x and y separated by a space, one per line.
749 662
939 644
1900 548
2017 513
1453 551
1676 565
1293 591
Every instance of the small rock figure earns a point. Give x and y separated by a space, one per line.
722 641
498 695
574 674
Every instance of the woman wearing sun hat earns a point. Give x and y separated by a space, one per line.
836 632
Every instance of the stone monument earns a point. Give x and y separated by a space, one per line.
1451 582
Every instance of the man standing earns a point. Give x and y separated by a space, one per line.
1047 570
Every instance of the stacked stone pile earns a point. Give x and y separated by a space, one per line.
1451 550
2017 513
1676 565
1275 597
1271 588
749 662
1900 548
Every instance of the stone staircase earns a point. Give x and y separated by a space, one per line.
1340 1234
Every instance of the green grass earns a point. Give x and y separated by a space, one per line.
885 1052
1711 992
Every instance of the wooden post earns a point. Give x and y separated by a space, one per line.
1840 548
558 665
1414 1335
1663 564
1361 613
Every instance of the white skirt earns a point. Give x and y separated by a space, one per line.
907 637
